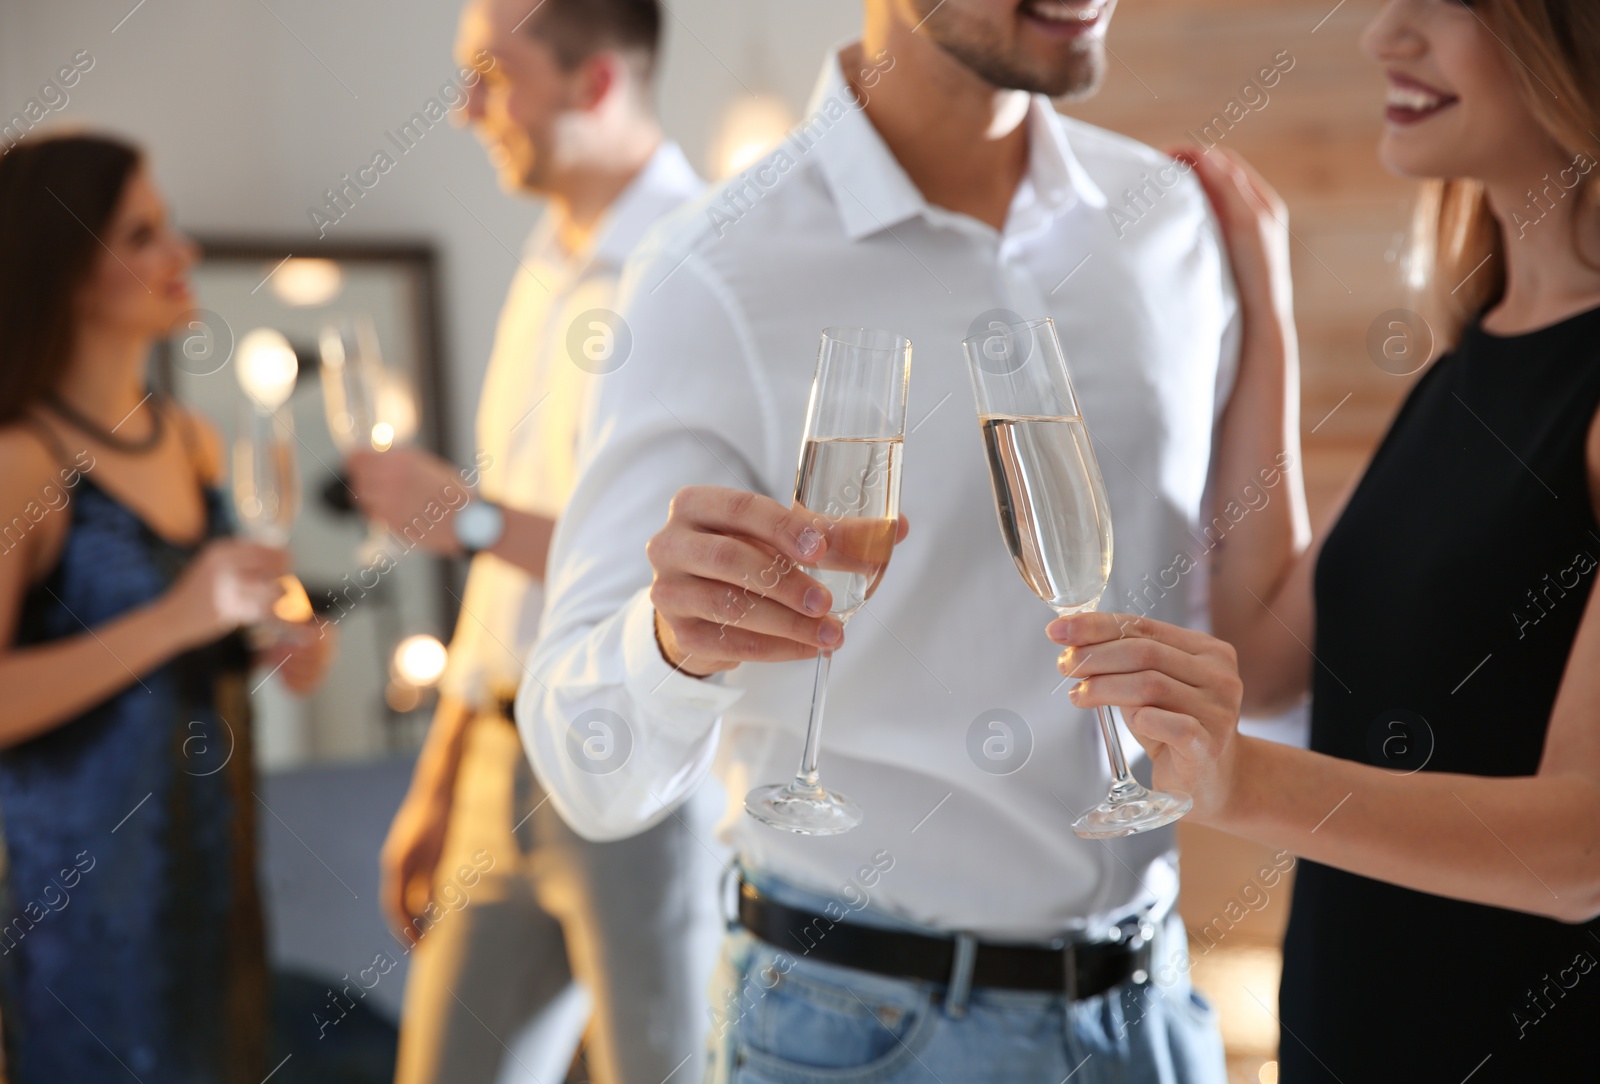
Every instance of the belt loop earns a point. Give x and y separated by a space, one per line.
960 988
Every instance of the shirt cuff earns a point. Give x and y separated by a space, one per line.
684 700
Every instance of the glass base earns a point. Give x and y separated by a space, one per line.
1134 810
806 811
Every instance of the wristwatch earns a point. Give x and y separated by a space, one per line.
478 525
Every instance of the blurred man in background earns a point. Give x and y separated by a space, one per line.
565 109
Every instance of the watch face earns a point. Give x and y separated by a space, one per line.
478 525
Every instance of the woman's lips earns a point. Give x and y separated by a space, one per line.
1411 101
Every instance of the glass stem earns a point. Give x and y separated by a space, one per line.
1122 782
806 778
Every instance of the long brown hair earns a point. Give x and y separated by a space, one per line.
57 196
1458 251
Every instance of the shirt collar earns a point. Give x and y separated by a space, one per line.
666 180
871 190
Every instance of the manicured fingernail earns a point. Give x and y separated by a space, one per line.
816 600
808 542
828 633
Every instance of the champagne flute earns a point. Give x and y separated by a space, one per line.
367 407
266 480
848 486
1055 518
266 496
352 374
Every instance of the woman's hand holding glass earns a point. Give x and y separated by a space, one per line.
1179 691
231 583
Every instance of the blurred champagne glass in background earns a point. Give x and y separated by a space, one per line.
368 407
266 475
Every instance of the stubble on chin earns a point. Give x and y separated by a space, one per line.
1075 75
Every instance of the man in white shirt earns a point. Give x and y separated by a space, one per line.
962 933
511 912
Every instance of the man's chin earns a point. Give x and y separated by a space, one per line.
1073 72
1083 80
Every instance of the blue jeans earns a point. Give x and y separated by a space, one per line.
781 1018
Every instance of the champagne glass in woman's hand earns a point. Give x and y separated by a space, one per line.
266 478
266 496
230 583
848 485
1055 517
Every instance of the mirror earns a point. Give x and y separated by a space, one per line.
375 603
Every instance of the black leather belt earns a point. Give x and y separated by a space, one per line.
1078 969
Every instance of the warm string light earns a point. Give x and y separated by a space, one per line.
267 367
306 282
419 660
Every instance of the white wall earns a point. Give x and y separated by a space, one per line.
252 108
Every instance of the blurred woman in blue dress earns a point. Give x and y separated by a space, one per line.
131 938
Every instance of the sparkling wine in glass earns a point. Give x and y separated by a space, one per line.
1055 518
848 487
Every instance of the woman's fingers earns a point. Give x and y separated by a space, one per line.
1159 728
1145 688
1089 629
1255 185
1131 655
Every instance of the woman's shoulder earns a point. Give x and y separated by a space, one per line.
34 460
202 439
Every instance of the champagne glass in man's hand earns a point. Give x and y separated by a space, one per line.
369 409
1055 518
848 486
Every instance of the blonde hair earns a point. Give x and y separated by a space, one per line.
1457 250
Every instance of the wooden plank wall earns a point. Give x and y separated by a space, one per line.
1178 63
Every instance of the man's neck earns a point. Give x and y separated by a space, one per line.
581 197
962 142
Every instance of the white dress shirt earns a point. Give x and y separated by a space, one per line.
532 402
726 301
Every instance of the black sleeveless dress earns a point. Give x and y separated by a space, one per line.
1447 600
132 944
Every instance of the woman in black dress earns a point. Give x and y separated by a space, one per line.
1444 918
131 940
